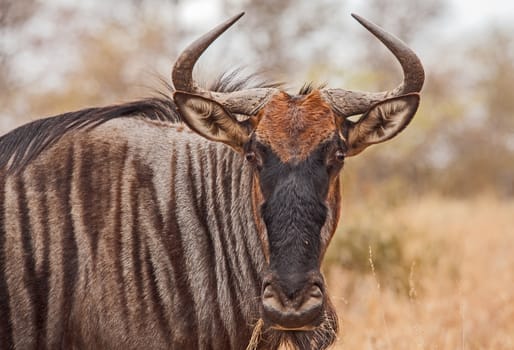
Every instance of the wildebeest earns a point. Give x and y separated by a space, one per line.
189 222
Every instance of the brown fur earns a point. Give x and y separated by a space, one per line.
257 200
334 204
293 126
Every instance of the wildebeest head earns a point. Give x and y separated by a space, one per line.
296 146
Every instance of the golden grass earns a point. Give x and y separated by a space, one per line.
459 258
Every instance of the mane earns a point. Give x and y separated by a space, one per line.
307 88
22 145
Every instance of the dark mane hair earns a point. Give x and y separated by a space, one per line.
307 88
20 146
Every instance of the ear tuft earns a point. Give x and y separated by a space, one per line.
381 122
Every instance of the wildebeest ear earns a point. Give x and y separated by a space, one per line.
381 122
211 120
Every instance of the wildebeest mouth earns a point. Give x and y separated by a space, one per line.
301 308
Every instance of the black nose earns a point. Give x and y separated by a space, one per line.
293 303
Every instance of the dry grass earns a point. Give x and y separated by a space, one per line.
456 263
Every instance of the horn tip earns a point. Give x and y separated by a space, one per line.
237 17
360 19
229 22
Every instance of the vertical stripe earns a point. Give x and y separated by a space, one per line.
158 227
6 337
43 274
69 259
129 230
136 235
20 297
151 222
29 276
178 261
156 301
118 227
94 190
86 193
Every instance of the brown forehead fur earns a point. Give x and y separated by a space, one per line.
293 126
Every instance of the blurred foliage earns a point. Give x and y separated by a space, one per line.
373 239
13 15
357 246
286 37
460 291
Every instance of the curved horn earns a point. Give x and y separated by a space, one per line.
182 73
247 102
356 102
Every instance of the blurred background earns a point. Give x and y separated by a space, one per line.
423 256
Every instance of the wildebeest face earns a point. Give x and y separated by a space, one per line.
297 152
296 146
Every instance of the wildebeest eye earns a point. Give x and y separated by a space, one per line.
339 155
335 160
250 156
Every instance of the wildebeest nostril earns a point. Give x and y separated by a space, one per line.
301 311
268 292
314 298
271 300
315 292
